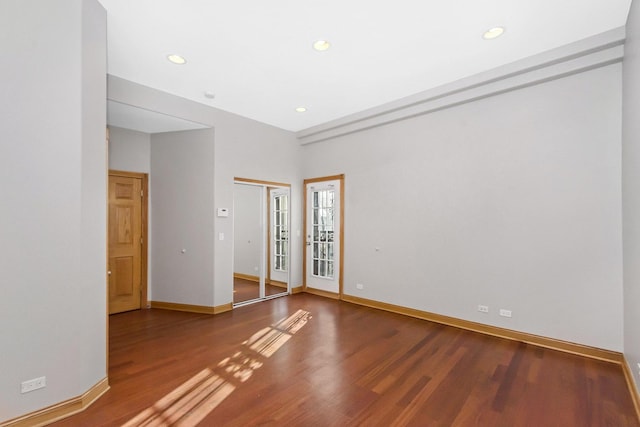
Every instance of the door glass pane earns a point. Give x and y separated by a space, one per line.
280 233
323 223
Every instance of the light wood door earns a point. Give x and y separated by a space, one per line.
125 243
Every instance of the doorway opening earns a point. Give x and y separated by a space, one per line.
261 246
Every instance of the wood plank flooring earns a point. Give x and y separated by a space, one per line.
331 363
245 290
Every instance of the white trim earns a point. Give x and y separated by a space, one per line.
597 51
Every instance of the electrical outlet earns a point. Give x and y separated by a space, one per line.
33 384
505 313
359 286
483 308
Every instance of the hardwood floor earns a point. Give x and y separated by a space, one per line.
331 363
246 290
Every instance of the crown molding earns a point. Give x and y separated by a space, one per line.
587 54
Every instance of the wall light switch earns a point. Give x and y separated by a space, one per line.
220 236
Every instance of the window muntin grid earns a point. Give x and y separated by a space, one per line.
322 234
280 233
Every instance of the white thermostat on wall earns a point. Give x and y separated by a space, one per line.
223 212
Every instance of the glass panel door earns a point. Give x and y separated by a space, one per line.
279 241
323 235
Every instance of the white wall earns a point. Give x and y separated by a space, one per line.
183 213
53 220
512 201
247 229
631 190
129 150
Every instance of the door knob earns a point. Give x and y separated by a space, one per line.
109 272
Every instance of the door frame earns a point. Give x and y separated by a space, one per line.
339 178
144 177
266 252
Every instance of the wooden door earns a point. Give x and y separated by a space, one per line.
125 243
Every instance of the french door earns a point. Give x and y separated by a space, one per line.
323 233
279 236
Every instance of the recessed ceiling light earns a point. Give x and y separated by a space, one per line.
321 45
492 33
301 110
176 59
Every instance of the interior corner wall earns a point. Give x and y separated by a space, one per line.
53 224
183 213
249 149
631 190
243 148
511 201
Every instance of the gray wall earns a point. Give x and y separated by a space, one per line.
631 191
512 201
53 216
247 229
183 214
243 148
129 150
248 149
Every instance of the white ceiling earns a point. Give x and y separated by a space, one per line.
257 56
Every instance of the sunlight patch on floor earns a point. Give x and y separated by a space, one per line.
192 401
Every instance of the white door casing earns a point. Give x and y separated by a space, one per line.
279 234
323 235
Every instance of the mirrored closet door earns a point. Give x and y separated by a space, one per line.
261 215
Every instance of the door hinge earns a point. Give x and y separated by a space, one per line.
141 193
141 241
